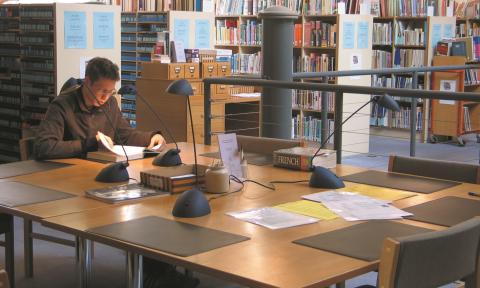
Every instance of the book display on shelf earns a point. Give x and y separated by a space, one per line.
36 58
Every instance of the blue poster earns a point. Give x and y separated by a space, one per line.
75 30
202 34
362 38
348 35
181 31
448 31
436 34
103 30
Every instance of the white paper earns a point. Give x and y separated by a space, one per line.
355 63
449 86
83 65
341 7
117 149
354 207
228 146
272 218
450 11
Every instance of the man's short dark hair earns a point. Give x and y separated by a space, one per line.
99 67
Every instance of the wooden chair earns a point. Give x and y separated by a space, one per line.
448 170
432 259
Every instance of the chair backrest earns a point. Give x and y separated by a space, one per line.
448 170
432 259
26 148
264 145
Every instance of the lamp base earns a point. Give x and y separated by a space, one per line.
323 178
168 158
115 172
190 204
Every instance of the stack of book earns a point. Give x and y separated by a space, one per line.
174 179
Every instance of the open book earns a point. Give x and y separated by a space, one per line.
115 153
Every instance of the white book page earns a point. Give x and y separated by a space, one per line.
117 149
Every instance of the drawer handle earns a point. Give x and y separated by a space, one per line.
177 69
210 69
192 69
224 68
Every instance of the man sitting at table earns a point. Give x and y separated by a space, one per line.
70 129
74 118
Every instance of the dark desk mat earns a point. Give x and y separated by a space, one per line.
400 181
446 211
14 194
169 236
257 159
363 241
28 167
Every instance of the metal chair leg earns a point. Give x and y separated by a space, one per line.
134 270
9 250
28 247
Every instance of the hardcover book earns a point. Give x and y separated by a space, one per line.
173 179
300 158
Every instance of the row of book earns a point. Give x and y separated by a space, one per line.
396 82
467 30
10 100
386 118
469 47
252 7
314 62
408 58
312 100
10 123
37 12
407 34
36 26
467 8
472 76
233 32
310 128
381 59
320 34
382 34
246 63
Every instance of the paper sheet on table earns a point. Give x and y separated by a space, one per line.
380 192
342 196
308 208
272 218
353 207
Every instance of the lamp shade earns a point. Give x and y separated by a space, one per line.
386 101
180 87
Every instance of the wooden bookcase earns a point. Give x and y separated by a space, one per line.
35 61
448 116
139 35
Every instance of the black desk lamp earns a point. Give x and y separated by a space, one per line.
171 157
191 203
324 178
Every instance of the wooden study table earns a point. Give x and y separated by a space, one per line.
268 259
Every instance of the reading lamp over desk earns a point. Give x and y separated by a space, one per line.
324 178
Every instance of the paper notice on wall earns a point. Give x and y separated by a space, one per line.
83 65
355 63
448 86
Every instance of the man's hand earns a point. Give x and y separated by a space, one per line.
109 140
156 139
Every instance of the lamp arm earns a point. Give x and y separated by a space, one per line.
341 125
193 137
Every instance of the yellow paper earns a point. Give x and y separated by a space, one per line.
380 192
308 208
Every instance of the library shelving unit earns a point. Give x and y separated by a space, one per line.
454 118
140 32
318 44
37 57
412 45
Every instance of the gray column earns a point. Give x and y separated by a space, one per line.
277 54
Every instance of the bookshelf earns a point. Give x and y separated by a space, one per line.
36 59
139 34
412 45
454 118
